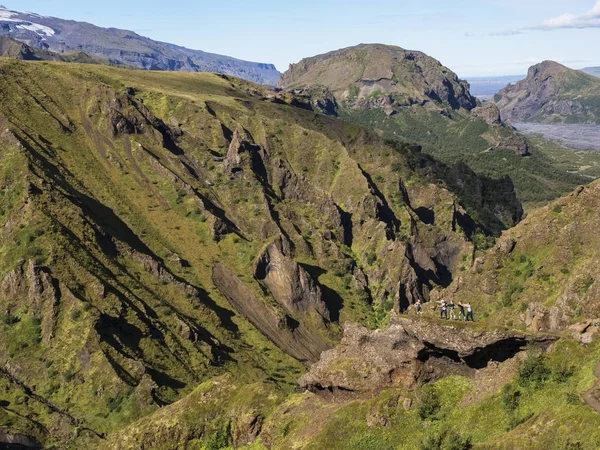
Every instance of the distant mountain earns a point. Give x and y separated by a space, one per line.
407 96
124 47
11 48
381 75
551 93
592 71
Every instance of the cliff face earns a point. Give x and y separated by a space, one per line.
551 93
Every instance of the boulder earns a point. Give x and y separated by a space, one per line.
407 353
489 113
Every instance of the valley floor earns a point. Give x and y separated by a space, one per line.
575 136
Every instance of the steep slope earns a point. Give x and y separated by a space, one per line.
124 47
551 93
408 96
542 274
161 229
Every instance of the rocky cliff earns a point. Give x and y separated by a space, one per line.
407 353
551 93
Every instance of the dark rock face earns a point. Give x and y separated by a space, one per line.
289 283
406 353
126 47
295 338
551 93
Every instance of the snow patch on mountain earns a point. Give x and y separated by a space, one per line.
6 14
36 28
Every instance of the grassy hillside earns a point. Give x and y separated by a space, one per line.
541 274
532 402
139 214
549 172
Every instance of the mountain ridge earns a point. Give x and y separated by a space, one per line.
125 47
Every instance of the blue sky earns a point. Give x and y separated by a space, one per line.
472 37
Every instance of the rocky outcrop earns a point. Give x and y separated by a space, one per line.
501 135
294 337
238 146
18 441
489 113
40 291
406 353
288 282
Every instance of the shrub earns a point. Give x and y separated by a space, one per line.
533 372
562 373
430 403
371 258
75 314
511 398
573 399
219 440
446 440
508 295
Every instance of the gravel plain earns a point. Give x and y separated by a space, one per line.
575 136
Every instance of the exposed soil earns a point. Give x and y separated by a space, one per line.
591 397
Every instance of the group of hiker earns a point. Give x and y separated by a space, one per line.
462 314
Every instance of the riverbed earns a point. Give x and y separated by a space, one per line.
575 136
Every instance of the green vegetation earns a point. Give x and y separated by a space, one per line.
113 322
549 172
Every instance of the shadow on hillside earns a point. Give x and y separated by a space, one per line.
332 299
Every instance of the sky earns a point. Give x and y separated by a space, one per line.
472 37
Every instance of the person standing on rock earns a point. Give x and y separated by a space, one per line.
469 313
461 311
444 311
418 308
452 306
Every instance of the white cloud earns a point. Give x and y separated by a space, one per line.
590 19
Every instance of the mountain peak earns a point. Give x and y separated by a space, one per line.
547 67
551 93
376 71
